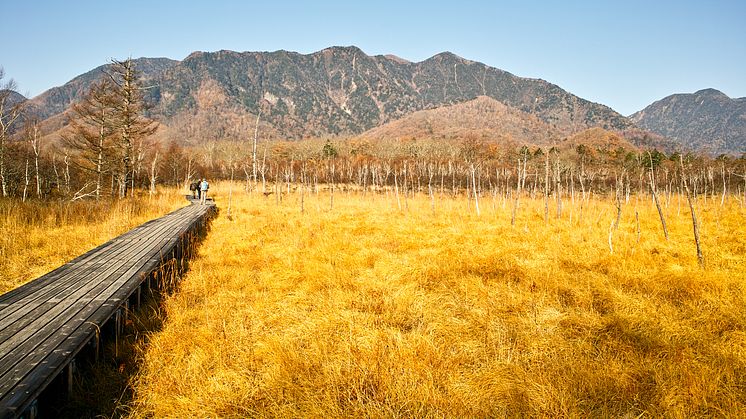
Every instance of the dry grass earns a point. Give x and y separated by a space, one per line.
36 237
366 311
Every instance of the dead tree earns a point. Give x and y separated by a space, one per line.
695 223
618 192
558 184
9 114
254 163
153 173
651 175
546 187
92 134
132 128
519 183
36 147
474 188
32 135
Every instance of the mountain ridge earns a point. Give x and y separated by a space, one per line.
338 91
706 120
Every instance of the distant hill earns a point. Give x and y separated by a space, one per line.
336 91
482 117
599 139
707 120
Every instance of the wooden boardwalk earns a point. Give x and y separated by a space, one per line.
45 323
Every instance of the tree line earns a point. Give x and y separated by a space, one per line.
108 150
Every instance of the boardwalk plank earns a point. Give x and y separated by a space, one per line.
65 278
46 322
68 281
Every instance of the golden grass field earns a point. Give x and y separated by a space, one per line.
369 311
36 237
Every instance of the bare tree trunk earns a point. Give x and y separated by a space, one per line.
517 195
725 191
253 147
26 183
558 187
331 183
302 187
100 162
37 149
56 172
473 187
278 185
695 224
264 169
188 176
655 197
406 173
442 179
618 199
572 193
153 175
452 171
396 190
546 187
67 174
430 186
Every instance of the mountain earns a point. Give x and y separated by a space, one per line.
9 99
707 120
335 91
482 117
12 97
343 91
57 99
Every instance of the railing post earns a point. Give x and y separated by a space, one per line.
69 378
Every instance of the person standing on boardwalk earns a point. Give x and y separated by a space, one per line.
203 188
194 187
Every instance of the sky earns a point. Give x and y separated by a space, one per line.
623 54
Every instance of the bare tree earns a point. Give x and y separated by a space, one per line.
695 223
131 126
651 175
92 135
32 136
546 187
36 147
9 114
254 163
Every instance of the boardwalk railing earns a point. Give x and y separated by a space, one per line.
45 323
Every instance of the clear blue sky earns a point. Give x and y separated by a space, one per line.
624 54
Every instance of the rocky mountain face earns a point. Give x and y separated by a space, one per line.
707 121
343 91
336 91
